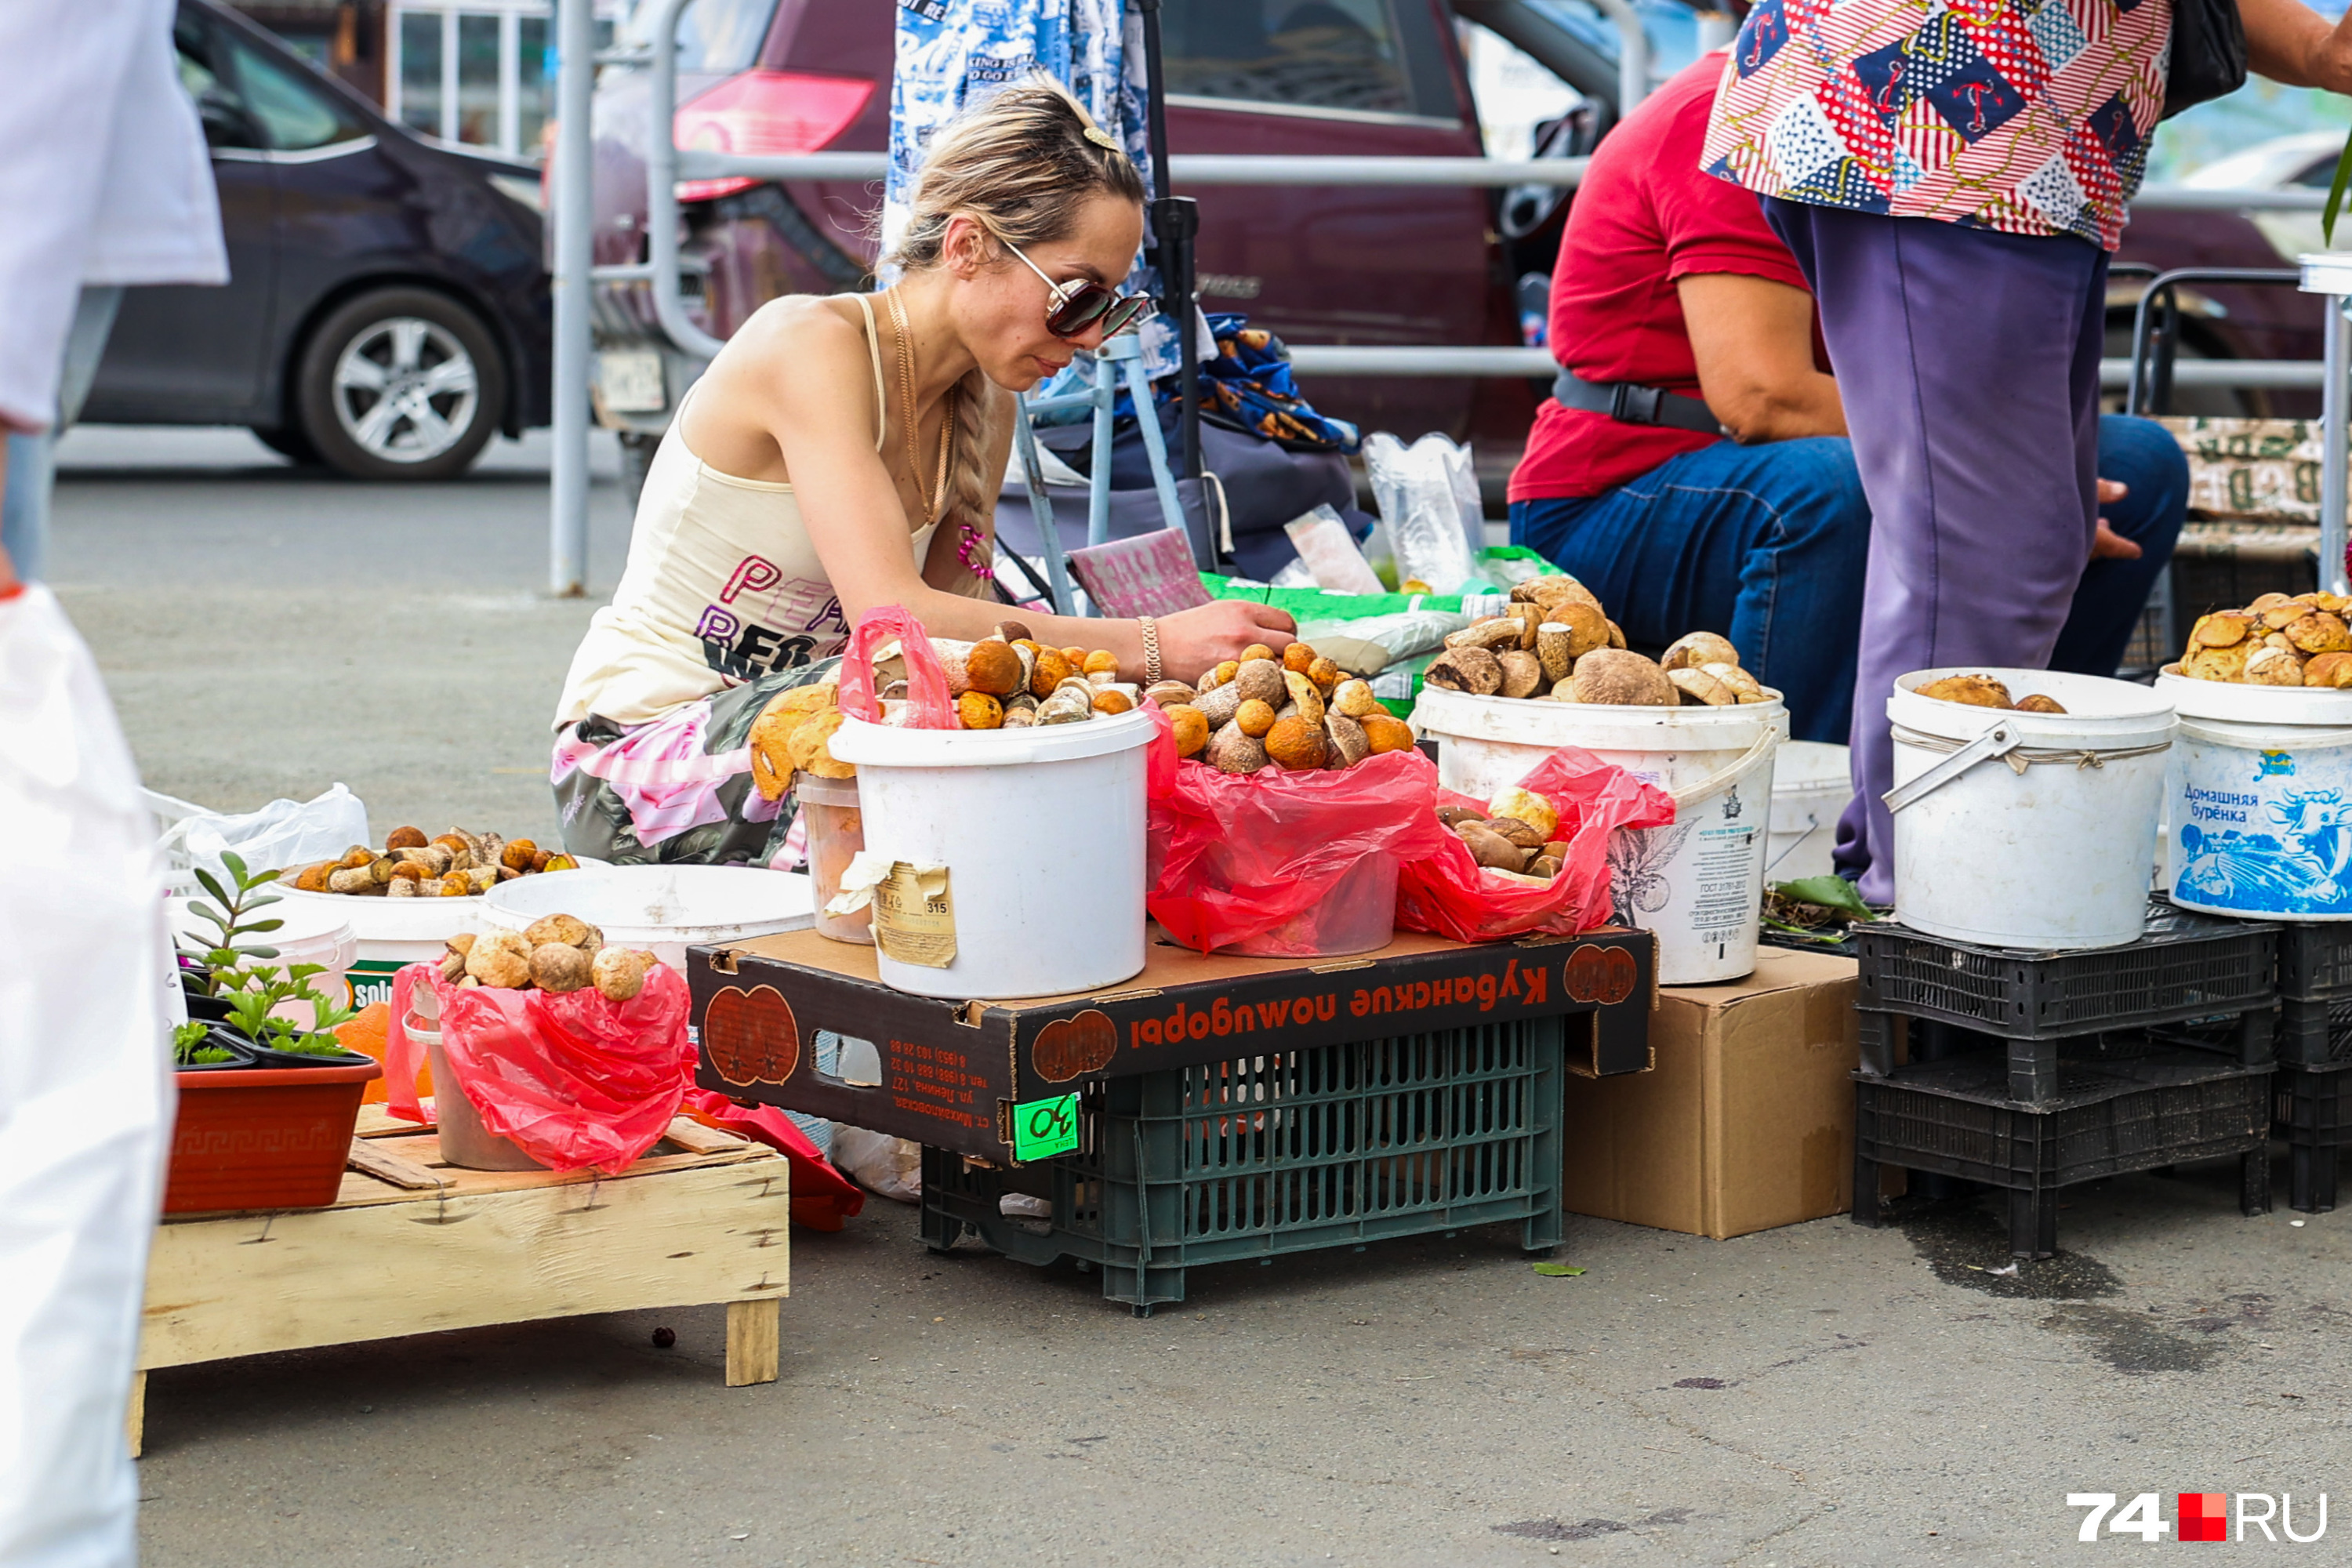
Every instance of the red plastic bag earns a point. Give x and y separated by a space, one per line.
575 1081
823 1198
1234 856
1447 893
927 683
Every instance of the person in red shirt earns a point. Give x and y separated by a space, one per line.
1693 467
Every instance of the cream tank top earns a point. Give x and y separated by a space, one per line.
722 586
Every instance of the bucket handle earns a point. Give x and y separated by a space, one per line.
1692 795
1997 741
2003 742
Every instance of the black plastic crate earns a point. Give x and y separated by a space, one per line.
2300 1033
2315 1033
1957 1118
2034 1066
2311 1110
2184 966
1288 1152
2314 961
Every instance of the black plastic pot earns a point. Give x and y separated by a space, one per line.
229 1040
263 1056
211 1009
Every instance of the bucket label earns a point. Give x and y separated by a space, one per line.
2262 831
371 980
1696 882
914 916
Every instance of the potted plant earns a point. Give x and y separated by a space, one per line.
201 973
267 1101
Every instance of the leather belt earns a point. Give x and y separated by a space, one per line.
1635 405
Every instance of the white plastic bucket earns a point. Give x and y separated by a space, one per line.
1811 782
1697 883
391 933
1042 831
663 909
311 934
2047 847
2259 798
465 1142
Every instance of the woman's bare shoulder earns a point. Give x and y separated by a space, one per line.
798 325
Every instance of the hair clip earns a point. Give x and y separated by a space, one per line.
1103 139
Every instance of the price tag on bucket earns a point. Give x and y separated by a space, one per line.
1045 1128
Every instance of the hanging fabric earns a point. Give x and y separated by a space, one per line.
953 53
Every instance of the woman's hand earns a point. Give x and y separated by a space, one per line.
1199 640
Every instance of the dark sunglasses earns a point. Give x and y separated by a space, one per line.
1075 307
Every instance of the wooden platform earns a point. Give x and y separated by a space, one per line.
414 1246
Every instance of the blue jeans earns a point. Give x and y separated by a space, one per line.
1767 544
1763 543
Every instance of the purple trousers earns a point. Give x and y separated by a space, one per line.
1968 364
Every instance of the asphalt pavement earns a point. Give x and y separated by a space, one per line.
1816 1394
268 631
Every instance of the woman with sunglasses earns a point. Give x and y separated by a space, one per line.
844 452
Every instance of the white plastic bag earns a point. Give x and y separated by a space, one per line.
1328 550
887 1166
86 1095
1428 497
283 833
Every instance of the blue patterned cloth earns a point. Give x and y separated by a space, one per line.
1249 383
952 53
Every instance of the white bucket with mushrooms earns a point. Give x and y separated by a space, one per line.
1698 883
2025 806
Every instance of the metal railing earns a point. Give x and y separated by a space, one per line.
1257 169
666 164
1405 360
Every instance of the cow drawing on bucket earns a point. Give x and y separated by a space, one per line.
2315 824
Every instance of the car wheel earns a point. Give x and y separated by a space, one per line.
288 442
402 384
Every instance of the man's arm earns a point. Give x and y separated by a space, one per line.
2292 44
1753 339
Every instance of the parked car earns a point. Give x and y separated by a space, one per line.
387 309
1331 264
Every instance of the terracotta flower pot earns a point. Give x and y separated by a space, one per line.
264 1138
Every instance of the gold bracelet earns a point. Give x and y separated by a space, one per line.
1152 672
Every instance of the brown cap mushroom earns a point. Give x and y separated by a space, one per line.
1467 669
1616 677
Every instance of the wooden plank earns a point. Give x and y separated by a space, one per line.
423 1149
753 1329
243 1285
696 1139
375 1121
134 1419
387 1165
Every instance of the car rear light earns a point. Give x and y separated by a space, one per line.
765 111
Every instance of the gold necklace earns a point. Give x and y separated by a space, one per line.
905 356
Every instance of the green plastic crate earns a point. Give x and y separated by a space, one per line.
1289 1151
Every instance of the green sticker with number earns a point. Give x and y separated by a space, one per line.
1045 1128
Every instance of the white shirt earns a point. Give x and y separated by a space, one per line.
104 177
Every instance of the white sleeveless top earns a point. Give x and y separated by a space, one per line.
722 586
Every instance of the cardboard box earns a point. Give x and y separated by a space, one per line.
954 1074
1746 1119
